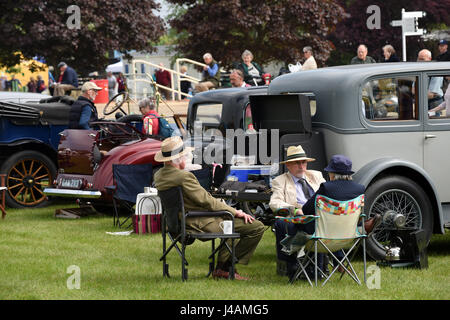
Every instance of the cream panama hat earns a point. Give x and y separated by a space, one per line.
90 85
296 153
172 148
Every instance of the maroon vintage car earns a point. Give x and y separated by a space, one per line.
85 158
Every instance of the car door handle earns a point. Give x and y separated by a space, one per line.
430 136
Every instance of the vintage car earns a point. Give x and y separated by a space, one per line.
378 115
29 137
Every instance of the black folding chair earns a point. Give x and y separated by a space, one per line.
174 226
129 181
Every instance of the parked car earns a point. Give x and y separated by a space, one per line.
378 116
22 97
29 137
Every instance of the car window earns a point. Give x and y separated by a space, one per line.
209 113
388 99
438 96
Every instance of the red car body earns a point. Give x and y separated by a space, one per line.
86 157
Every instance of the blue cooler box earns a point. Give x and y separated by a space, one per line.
242 172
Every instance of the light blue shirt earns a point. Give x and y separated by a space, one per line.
212 71
435 85
301 199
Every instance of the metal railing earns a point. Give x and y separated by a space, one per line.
173 73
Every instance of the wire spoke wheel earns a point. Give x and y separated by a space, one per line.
26 180
394 205
28 173
403 205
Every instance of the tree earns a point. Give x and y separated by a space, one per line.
51 29
271 30
354 30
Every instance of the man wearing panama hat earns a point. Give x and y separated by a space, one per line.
290 191
173 153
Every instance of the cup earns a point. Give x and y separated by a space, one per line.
226 226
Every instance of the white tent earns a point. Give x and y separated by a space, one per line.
115 68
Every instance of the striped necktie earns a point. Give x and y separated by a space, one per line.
305 188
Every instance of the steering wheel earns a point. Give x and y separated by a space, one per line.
116 103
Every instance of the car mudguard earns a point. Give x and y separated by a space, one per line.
368 172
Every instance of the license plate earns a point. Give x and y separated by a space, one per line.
71 183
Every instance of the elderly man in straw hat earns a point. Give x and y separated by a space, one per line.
173 153
83 110
291 190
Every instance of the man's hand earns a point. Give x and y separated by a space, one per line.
247 218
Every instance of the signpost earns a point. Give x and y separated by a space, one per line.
410 26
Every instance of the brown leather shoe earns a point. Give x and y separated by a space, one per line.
341 269
372 223
237 276
219 273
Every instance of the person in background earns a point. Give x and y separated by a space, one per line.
251 70
163 78
40 84
32 85
68 80
112 85
237 79
389 54
121 83
150 120
210 74
15 84
361 56
310 62
51 80
83 110
444 55
435 93
3 80
185 85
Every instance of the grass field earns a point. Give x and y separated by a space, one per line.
37 250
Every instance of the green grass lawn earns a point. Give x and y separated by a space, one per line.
37 249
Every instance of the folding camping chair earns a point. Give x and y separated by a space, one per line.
129 181
3 189
336 228
173 225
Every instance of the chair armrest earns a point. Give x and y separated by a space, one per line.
209 214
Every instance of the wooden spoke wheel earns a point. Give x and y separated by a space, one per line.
28 173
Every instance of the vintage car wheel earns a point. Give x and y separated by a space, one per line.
403 204
115 103
27 174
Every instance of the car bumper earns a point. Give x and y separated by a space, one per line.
72 193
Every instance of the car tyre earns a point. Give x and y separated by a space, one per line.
27 174
396 198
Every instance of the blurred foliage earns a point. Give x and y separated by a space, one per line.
35 27
271 30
